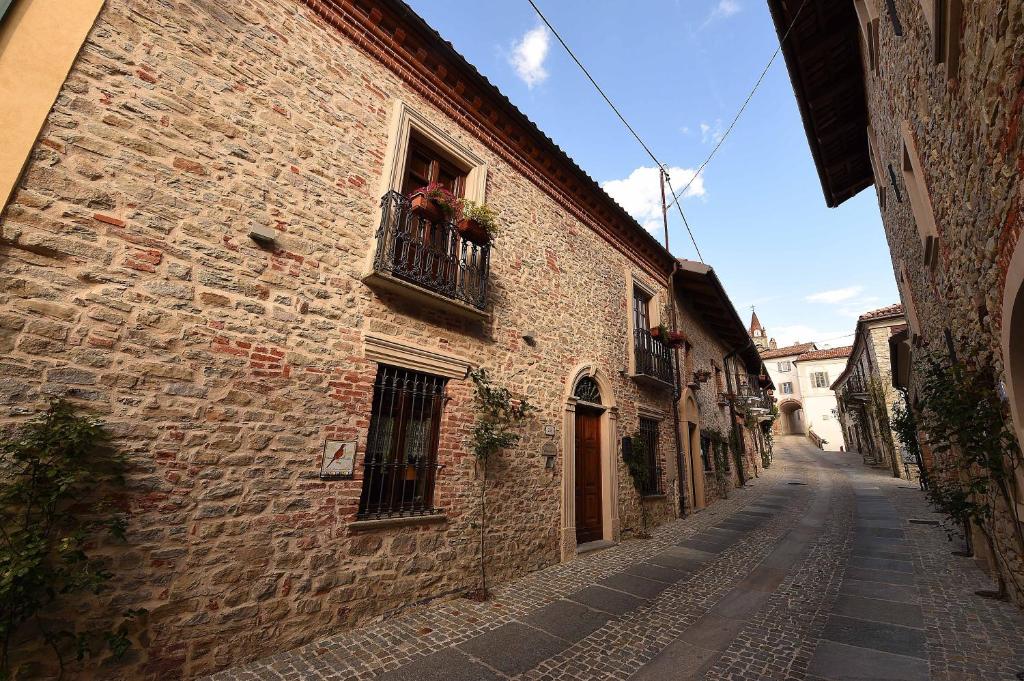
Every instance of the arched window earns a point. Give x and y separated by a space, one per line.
587 390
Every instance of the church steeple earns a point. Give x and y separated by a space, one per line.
755 324
757 331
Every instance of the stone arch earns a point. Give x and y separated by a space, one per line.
690 424
609 447
791 422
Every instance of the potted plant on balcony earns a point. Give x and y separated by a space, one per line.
670 338
433 202
477 222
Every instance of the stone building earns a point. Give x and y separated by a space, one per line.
865 392
208 240
815 371
780 363
923 101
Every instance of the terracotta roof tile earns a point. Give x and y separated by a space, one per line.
789 350
882 312
828 353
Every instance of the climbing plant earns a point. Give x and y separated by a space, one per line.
905 426
59 486
499 415
974 448
635 458
720 457
878 404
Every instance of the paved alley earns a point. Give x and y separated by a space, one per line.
820 569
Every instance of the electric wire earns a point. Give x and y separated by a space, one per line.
661 166
721 140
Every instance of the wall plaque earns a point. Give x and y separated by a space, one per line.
339 459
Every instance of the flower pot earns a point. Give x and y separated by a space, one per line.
427 208
471 230
675 338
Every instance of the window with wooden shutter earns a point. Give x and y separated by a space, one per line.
425 164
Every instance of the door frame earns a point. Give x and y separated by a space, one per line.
691 441
609 446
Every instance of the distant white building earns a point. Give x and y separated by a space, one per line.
802 375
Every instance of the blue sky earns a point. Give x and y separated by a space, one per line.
678 70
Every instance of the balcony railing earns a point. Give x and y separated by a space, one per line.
432 255
854 389
750 395
653 357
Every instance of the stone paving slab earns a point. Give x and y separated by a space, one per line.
889 612
890 638
567 619
839 662
514 647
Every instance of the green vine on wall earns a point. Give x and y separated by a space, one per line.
58 497
878 402
720 460
637 464
975 451
499 414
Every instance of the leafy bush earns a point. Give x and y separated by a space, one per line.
57 498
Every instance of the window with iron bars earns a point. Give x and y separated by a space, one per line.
400 466
649 435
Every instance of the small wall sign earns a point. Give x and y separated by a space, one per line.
339 459
549 429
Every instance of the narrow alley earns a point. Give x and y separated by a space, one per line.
820 569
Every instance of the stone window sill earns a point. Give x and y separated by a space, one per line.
384 523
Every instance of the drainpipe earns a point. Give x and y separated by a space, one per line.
677 389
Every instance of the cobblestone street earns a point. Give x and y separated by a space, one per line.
820 569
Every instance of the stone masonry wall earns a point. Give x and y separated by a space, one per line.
966 126
130 286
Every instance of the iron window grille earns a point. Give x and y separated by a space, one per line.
649 435
400 465
430 254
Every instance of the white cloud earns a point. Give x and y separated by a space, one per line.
834 296
528 55
723 10
800 333
640 193
711 133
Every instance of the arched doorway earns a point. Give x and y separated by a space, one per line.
589 442
1012 339
694 485
792 417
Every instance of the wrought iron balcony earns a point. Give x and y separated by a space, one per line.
653 359
430 255
855 389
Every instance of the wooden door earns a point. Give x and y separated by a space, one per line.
589 525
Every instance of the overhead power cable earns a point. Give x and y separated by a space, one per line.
594 83
661 166
676 198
